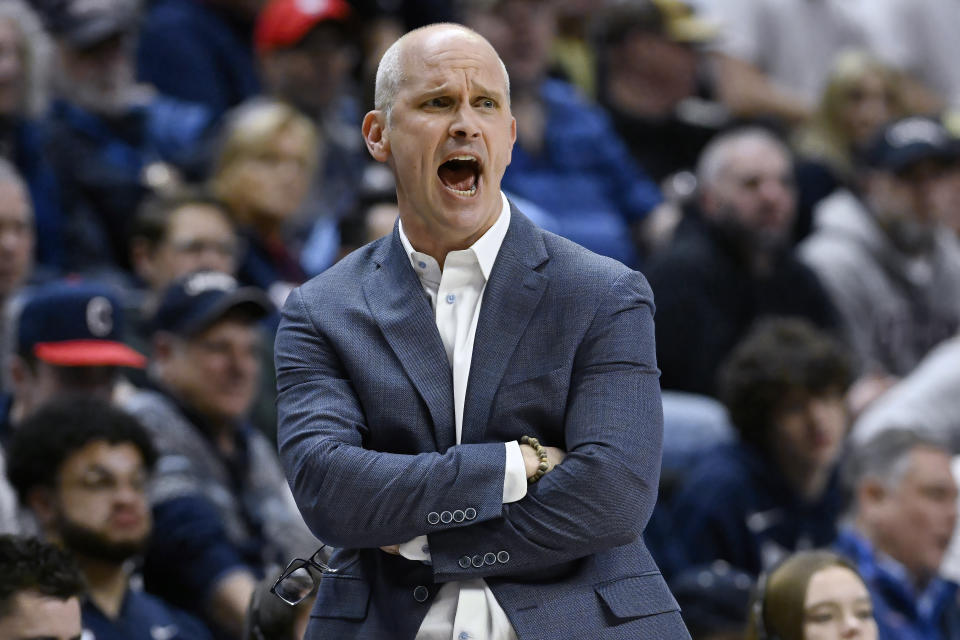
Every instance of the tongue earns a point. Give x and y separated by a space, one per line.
458 175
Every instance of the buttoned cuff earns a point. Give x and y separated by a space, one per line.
514 474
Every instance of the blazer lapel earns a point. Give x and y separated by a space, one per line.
402 310
509 300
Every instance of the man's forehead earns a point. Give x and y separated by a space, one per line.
438 53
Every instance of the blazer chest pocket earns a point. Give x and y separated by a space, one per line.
344 597
638 596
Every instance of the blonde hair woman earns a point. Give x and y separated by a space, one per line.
262 171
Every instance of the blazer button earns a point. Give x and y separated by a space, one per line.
464 562
489 558
458 516
446 517
420 594
477 561
470 513
433 517
503 557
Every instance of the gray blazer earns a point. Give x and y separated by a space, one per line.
564 351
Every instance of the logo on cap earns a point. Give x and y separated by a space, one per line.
916 131
209 281
99 316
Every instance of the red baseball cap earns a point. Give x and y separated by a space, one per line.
284 23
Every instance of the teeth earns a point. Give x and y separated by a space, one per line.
469 192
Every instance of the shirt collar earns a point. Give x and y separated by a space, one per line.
485 248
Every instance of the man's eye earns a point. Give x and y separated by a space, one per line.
487 103
438 103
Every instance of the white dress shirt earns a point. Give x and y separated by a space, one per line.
464 610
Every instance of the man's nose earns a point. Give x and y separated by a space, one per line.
465 123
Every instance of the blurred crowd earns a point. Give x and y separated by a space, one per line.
786 173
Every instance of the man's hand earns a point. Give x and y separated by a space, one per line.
531 462
392 549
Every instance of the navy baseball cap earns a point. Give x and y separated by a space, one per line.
197 300
85 23
75 324
906 142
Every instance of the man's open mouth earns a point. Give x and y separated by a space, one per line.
460 174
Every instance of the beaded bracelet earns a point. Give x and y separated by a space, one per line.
544 465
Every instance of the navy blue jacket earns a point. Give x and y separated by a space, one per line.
736 506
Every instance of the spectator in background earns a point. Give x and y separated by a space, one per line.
68 339
656 84
24 69
861 95
776 490
200 51
109 139
733 266
219 495
82 467
567 158
891 268
262 172
813 595
306 52
177 233
903 514
40 590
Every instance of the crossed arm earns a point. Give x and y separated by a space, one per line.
599 497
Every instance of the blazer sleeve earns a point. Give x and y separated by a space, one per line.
353 497
603 493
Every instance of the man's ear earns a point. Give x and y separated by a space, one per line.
870 494
41 502
375 135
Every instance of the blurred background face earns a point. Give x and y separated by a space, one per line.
216 371
311 74
13 71
906 204
97 78
755 192
808 429
101 507
522 32
266 186
16 237
668 65
32 615
837 607
913 521
199 237
867 103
